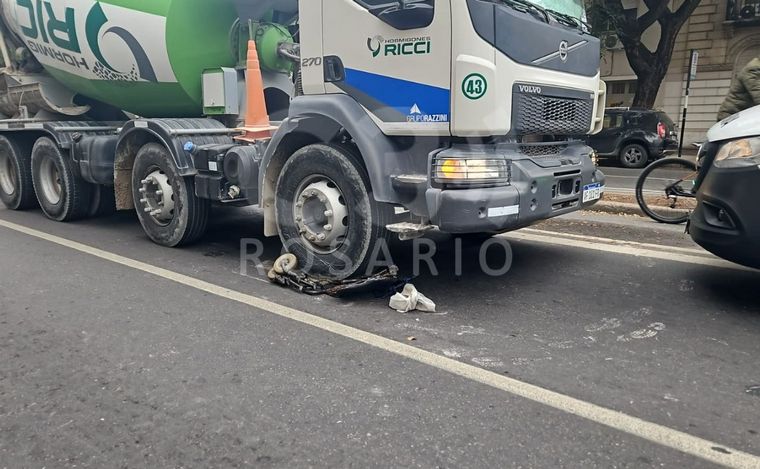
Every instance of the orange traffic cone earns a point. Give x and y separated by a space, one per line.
257 125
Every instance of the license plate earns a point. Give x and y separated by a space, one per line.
592 192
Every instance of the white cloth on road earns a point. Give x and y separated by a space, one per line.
410 299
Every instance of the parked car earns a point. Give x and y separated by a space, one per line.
726 221
634 136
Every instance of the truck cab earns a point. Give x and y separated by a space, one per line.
462 111
456 68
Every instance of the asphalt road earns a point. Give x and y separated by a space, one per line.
620 178
623 179
107 362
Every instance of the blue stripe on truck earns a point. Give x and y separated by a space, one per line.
405 97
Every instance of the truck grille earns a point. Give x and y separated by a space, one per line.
538 114
542 149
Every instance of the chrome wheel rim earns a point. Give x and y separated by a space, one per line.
8 180
321 214
50 181
633 156
157 197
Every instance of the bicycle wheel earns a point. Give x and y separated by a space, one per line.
664 190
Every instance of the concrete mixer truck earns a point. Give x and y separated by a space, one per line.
379 116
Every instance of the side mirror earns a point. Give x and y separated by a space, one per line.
406 14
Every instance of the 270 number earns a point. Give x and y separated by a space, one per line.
311 62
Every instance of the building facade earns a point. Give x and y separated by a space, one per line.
727 35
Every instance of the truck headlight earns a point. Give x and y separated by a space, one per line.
470 171
743 152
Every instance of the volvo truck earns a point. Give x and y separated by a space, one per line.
384 116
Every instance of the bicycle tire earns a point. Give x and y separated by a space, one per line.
641 184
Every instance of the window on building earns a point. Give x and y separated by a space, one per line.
617 87
620 93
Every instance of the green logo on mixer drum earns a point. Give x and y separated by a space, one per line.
55 38
52 33
141 70
474 86
60 32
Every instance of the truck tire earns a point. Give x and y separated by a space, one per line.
168 209
326 214
16 186
634 156
102 202
62 194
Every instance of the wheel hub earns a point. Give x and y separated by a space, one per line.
321 215
633 155
50 180
157 197
8 180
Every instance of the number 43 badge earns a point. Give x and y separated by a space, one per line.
474 86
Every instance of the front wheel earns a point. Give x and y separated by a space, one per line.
168 209
634 155
664 190
326 214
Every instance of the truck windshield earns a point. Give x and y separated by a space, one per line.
573 8
568 12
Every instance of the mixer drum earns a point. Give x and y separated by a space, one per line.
145 57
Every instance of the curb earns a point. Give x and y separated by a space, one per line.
616 208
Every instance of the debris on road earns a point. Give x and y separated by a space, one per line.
410 299
285 272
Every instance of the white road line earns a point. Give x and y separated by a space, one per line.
626 248
608 176
621 242
655 433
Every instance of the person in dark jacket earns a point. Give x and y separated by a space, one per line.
744 92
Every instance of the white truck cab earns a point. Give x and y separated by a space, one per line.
465 113
463 68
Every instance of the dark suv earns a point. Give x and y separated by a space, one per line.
634 136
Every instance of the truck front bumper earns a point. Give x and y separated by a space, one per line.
726 221
540 187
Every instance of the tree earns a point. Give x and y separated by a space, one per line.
650 67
